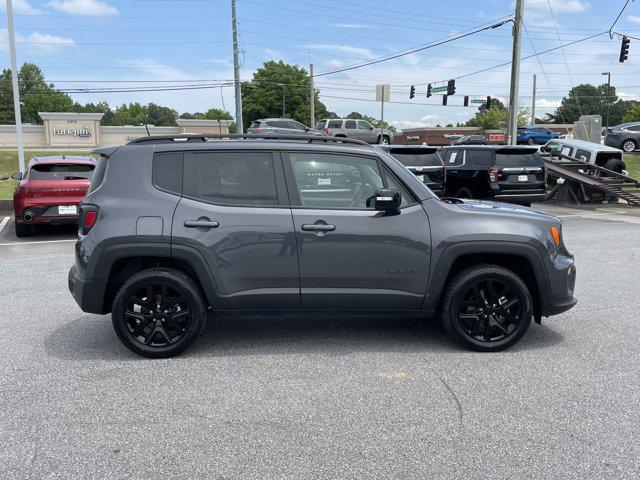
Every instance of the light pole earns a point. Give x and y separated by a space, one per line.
15 85
608 74
284 93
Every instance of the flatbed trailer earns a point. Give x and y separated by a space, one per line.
579 182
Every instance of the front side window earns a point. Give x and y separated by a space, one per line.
320 125
335 181
362 125
230 178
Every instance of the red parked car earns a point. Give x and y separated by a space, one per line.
50 191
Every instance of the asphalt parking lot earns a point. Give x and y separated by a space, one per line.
274 397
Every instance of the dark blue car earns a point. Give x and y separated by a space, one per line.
533 135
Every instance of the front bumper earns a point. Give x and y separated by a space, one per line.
559 297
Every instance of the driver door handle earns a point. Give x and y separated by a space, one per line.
201 224
318 227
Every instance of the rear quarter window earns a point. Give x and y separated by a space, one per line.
167 171
98 175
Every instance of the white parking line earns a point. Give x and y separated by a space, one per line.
4 221
36 242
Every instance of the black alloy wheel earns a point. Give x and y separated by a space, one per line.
487 308
159 312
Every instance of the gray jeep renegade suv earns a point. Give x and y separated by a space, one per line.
174 226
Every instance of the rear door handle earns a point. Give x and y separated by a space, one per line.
201 224
318 227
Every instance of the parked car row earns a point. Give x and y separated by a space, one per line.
495 172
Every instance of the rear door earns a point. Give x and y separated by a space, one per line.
520 171
235 212
352 256
351 129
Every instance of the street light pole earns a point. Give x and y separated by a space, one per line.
14 81
608 74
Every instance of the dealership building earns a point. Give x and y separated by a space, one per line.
61 130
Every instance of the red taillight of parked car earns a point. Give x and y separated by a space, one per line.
88 218
494 174
325 130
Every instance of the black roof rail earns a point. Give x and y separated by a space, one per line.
201 138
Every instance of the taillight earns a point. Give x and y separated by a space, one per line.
325 130
88 218
494 175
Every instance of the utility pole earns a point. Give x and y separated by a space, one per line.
533 102
16 89
236 69
312 94
283 96
515 74
608 74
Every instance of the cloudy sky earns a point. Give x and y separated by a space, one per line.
148 43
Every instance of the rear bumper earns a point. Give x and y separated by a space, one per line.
33 215
84 293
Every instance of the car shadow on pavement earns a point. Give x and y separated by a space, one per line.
91 337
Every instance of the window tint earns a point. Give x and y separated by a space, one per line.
350 124
362 125
320 125
98 175
231 178
414 158
478 158
335 181
167 171
453 158
513 159
551 147
296 125
278 123
254 124
633 128
335 123
61 171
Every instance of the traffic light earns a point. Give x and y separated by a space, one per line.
412 92
444 99
624 49
488 104
428 90
466 100
451 87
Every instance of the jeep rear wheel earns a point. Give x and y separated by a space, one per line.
487 308
159 312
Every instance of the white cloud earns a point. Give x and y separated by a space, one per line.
22 7
634 18
546 103
40 42
84 7
539 14
359 52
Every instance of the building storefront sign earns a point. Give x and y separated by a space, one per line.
78 132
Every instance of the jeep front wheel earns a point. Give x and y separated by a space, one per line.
487 308
159 312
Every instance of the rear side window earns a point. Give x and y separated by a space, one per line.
167 171
350 124
479 158
583 153
413 158
320 125
98 175
278 123
61 171
231 178
519 160
335 124
453 158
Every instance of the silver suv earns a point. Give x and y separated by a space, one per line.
358 129
282 126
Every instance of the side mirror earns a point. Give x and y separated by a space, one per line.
387 200
370 127
16 176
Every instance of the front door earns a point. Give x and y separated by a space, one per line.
235 212
367 132
351 256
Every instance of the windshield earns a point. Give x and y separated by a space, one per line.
61 171
413 158
519 160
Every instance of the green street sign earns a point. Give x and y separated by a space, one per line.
479 101
439 89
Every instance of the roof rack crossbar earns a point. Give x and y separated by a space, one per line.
195 138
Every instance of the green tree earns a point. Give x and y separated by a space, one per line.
632 113
161 116
373 121
211 114
36 95
101 107
262 96
587 99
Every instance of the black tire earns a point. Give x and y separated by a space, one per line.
629 145
22 230
384 140
531 141
501 326
615 164
463 193
185 316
